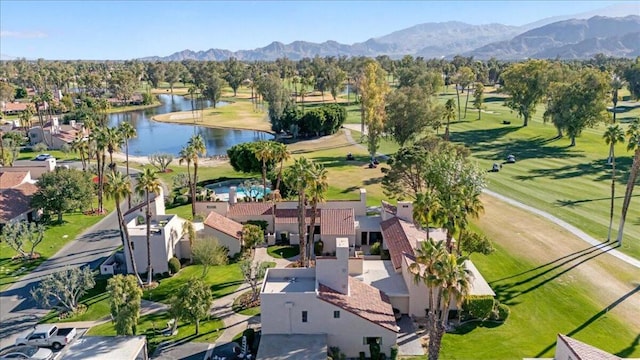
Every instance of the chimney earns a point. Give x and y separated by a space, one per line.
405 211
334 272
72 123
233 195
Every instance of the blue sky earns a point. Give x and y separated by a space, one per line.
131 29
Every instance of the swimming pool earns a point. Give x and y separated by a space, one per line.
244 189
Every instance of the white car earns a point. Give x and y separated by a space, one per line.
43 157
26 353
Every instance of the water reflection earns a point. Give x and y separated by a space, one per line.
156 137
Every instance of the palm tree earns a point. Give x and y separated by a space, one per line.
127 131
80 145
186 156
99 138
423 208
25 118
47 100
297 177
449 114
148 183
633 132
113 139
118 187
471 206
280 154
199 149
446 277
36 100
616 84
265 153
316 191
613 135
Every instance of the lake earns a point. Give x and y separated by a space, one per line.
158 137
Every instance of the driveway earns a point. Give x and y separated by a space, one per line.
408 340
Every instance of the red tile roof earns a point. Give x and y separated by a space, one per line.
15 106
584 351
364 301
16 201
250 209
224 225
395 234
290 216
337 222
12 179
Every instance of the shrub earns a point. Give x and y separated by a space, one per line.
394 352
362 356
251 337
40 147
174 265
181 200
318 247
374 350
263 224
375 249
500 312
65 148
478 307
384 255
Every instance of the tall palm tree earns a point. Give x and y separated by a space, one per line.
80 145
446 277
118 187
316 192
616 84
423 208
633 132
297 177
47 100
100 139
449 114
613 135
36 100
113 139
265 153
471 207
148 183
196 142
127 131
25 118
186 156
280 154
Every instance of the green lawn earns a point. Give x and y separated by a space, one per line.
152 325
56 236
223 279
96 301
542 305
283 251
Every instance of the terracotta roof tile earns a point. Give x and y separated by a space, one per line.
394 233
584 351
364 301
250 209
12 179
337 222
391 209
16 201
290 216
224 225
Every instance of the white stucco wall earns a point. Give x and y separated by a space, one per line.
230 242
163 246
282 314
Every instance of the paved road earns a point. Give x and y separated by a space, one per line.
18 311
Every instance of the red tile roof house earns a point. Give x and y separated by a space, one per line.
58 135
16 189
325 301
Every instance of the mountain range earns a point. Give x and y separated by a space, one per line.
576 36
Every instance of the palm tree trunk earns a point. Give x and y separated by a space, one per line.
613 192
458 95
193 189
124 232
264 180
633 175
435 341
279 174
148 220
312 228
126 147
302 209
466 104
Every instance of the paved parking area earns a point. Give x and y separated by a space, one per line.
186 351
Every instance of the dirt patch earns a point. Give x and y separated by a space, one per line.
606 278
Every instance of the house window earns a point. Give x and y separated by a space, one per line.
304 317
372 340
336 314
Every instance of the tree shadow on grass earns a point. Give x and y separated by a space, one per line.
470 326
507 292
629 350
626 352
598 168
573 203
338 161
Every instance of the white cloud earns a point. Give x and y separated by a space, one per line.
22 34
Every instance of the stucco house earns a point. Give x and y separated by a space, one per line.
327 302
568 348
166 238
56 135
227 231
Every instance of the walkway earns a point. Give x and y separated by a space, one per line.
570 228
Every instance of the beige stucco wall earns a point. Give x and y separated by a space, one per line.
401 303
347 332
163 246
230 242
330 242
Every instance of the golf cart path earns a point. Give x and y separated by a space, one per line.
570 228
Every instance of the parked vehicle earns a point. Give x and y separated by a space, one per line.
43 157
48 335
26 352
